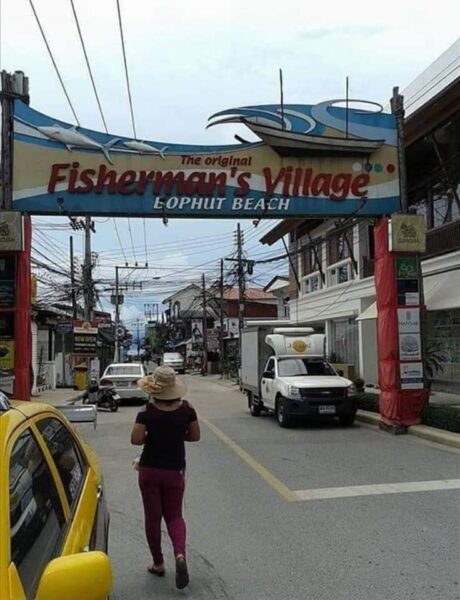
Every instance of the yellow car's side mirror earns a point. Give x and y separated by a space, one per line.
86 575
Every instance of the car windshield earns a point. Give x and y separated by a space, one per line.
124 370
293 367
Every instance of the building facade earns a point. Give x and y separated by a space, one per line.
331 285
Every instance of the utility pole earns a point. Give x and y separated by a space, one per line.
13 86
117 303
221 331
88 271
204 369
138 338
397 108
241 281
72 280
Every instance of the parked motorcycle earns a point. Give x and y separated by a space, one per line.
102 394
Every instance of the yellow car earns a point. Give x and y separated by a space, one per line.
53 516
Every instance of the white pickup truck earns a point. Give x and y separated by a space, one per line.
284 370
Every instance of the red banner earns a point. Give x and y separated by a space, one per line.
398 407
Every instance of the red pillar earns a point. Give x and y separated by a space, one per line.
398 407
22 321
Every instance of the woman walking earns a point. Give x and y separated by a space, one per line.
162 428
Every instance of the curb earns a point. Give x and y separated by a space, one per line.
432 434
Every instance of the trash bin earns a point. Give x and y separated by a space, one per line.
81 376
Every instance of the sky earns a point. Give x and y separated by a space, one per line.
188 60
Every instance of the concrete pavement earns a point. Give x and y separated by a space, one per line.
59 396
249 541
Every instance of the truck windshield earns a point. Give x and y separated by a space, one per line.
293 367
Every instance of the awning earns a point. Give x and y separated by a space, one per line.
442 292
369 313
183 342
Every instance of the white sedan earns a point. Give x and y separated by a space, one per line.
124 377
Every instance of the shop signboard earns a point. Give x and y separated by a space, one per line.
410 346
7 294
213 339
7 267
411 376
407 233
64 327
409 320
6 355
11 231
316 160
85 338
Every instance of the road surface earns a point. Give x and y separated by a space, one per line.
316 512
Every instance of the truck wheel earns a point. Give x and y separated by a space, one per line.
347 420
284 419
254 408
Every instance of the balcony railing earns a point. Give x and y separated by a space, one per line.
443 239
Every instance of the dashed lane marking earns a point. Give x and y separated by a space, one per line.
268 477
377 489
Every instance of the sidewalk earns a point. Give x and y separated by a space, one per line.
59 397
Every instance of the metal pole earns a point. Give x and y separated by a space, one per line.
88 282
205 330
72 280
138 339
117 316
241 282
397 108
221 331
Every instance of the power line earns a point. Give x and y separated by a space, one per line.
54 62
132 242
120 23
119 239
88 65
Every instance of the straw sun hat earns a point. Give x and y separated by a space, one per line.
163 385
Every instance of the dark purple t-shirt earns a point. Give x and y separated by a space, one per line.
164 446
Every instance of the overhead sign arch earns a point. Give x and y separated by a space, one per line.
320 160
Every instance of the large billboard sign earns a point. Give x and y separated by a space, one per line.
319 160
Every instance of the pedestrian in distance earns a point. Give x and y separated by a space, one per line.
167 422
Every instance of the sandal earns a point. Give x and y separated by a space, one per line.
158 571
182 576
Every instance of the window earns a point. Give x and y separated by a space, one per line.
134 370
311 256
66 456
36 516
341 273
343 341
294 367
339 245
312 283
270 368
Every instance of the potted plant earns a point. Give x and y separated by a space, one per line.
435 359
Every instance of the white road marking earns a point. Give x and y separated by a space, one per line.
378 489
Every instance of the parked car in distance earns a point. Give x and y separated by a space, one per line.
124 377
175 360
54 520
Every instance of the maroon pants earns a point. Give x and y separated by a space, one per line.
162 494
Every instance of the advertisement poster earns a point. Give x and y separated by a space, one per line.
411 375
6 355
408 320
410 346
197 331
